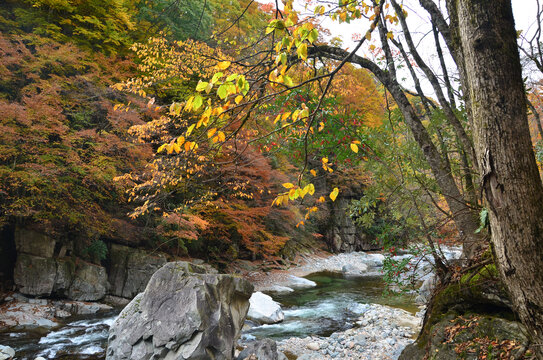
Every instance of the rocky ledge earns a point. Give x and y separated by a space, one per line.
19 313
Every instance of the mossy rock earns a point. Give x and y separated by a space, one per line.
467 319
471 337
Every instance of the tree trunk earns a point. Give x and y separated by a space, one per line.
510 179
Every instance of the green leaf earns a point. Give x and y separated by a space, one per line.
222 92
216 77
287 80
313 36
483 220
202 85
197 103
232 77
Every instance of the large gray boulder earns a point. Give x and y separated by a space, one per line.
131 270
184 313
343 234
35 270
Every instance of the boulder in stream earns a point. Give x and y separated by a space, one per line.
184 313
264 310
6 352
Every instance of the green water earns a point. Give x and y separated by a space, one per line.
333 305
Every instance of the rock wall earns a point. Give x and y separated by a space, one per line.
45 267
131 269
343 235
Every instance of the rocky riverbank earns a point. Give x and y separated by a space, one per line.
382 332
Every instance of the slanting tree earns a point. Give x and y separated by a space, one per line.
509 175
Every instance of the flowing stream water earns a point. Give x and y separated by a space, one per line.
332 305
81 338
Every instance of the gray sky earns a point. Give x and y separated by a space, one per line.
420 27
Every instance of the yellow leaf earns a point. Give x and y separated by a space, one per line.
314 173
302 51
180 140
176 148
291 194
354 148
189 130
285 199
311 189
238 99
223 65
322 199
221 136
334 193
325 160
211 132
161 148
288 185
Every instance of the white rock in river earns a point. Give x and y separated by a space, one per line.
354 270
299 283
264 310
6 352
313 346
278 289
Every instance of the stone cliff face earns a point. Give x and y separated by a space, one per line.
343 234
45 268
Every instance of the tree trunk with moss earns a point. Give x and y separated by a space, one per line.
509 175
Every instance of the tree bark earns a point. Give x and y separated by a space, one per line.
510 179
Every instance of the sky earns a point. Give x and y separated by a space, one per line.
419 23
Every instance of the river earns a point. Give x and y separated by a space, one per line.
334 304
